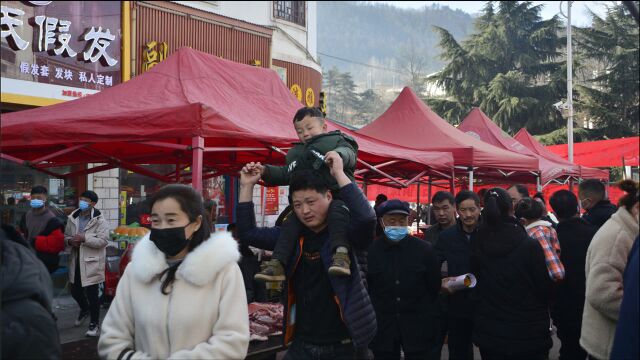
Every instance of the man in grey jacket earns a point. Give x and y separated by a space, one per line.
87 234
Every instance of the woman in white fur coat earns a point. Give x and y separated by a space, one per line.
182 296
604 268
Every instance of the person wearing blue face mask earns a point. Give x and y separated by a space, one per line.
87 235
42 229
404 281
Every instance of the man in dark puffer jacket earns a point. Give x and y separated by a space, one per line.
28 327
356 314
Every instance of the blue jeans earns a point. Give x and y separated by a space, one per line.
300 350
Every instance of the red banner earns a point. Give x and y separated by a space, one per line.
271 200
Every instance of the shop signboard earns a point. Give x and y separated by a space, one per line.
68 49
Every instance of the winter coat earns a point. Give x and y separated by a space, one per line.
249 266
511 315
546 235
454 247
432 234
92 250
28 327
301 157
49 243
352 296
625 345
605 264
574 236
203 317
404 281
600 213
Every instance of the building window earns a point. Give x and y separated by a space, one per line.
293 11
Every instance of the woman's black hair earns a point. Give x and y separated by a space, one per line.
497 207
191 203
529 209
631 198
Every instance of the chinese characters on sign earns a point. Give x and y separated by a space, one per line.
66 74
310 97
271 201
154 53
99 41
11 21
52 32
296 91
73 93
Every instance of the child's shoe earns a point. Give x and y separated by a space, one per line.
271 271
341 263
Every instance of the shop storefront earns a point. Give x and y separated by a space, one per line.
54 51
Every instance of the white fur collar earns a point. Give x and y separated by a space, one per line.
538 223
199 266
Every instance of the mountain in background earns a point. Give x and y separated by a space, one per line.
384 37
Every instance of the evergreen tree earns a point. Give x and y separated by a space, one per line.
346 96
611 97
330 86
510 68
369 104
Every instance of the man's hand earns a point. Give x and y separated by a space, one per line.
444 286
77 240
334 162
336 168
250 174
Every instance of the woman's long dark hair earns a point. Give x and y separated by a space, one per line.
631 196
497 208
192 204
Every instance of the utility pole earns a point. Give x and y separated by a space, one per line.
569 83
569 103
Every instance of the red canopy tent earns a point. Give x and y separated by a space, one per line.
409 122
530 142
479 125
193 110
603 153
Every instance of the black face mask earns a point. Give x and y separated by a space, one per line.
170 241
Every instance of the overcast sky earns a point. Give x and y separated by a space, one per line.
579 14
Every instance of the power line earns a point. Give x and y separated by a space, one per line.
361 64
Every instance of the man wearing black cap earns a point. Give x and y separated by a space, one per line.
404 281
87 234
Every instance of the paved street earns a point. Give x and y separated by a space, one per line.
76 346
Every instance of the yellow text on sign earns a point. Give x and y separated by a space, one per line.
310 97
296 91
154 53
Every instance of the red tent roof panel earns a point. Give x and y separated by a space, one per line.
603 153
409 122
530 142
480 126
